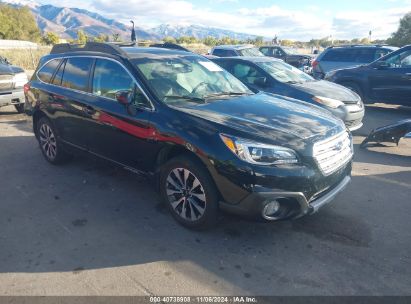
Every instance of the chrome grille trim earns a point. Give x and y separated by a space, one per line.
333 153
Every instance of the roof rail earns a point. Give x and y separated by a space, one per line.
357 45
108 48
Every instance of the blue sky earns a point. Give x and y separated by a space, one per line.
296 19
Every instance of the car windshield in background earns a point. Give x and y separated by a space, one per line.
284 72
251 52
188 79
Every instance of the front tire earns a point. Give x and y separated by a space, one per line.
189 192
50 145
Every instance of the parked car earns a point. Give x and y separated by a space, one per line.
235 50
287 54
386 80
206 139
12 80
274 76
169 45
339 57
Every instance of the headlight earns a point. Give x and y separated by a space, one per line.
258 153
329 102
20 80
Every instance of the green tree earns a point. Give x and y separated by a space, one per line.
81 37
403 35
169 39
18 24
287 42
259 40
210 41
101 38
50 38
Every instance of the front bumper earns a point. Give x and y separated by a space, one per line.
12 97
296 203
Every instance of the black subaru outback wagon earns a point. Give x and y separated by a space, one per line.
210 142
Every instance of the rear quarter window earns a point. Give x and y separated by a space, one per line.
47 71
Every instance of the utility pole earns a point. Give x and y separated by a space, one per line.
133 34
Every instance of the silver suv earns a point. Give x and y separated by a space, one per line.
12 80
236 50
341 57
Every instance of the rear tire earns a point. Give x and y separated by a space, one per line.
49 143
19 108
188 190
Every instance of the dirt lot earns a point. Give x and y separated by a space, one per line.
89 229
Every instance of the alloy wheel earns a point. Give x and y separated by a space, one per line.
48 141
186 194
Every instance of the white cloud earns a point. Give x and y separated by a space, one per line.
303 24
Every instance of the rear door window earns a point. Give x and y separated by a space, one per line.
47 71
76 73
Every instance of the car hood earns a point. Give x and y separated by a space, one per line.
10 69
273 117
328 89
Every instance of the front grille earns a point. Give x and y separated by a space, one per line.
6 82
333 153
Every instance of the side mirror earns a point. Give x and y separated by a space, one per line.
124 97
381 65
260 82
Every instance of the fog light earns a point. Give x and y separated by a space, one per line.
271 209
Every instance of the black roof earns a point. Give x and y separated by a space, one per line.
248 58
124 50
362 46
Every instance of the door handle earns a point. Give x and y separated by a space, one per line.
89 110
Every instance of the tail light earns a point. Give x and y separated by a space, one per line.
26 88
314 64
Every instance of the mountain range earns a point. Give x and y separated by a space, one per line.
67 21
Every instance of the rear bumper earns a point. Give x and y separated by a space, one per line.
351 114
11 97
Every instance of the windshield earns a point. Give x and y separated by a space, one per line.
284 72
251 52
188 79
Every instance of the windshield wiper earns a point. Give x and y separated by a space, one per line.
185 97
225 94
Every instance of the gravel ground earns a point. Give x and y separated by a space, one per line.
87 228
